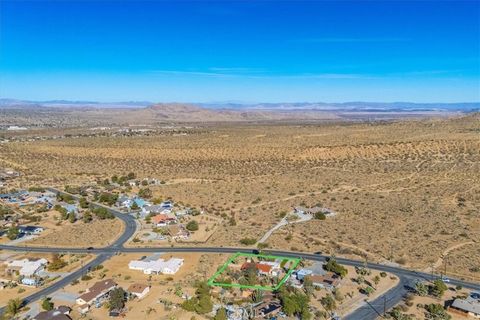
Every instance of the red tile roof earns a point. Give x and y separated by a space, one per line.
265 268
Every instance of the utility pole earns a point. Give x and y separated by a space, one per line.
445 266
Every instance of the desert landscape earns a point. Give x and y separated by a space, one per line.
405 191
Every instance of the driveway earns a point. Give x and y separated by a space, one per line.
301 218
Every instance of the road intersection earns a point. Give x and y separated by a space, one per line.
370 310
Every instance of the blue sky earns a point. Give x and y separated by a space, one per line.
262 51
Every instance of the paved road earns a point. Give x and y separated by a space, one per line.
128 220
370 310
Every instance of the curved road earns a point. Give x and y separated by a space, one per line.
371 309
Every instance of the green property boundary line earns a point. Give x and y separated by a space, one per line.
211 281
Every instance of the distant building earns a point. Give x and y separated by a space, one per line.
98 292
30 229
162 220
469 307
30 282
329 281
263 268
139 290
178 232
157 266
59 313
267 310
26 267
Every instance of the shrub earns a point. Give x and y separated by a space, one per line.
248 241
192 225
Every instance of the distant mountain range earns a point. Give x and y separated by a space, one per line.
71 113
359 106
350 106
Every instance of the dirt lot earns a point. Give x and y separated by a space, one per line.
404 191
97 233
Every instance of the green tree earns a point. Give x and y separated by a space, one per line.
47 304
131 175
134 206
13 232
4 210
320 216
221 314
436 311
117 299
56 263
103 213
421 289
71 217
87 217
333 266
13 306
328 302
83 203
308 286
396 314
192 225
250 274
145 193
438 288
204 305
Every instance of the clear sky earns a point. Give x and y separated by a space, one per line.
250 51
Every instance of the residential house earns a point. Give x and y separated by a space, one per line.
262 268
124 201
59 313
140 202
267 310
178 232
139 290
313 210
157 266
26 267
302 273
29 230
154 209
98 292
162 220
183 212
328 281
315 269
33 282
469 307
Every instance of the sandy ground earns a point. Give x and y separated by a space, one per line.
404 191
163 287
96 233
419 313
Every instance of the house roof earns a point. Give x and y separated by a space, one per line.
29 228
137 288
97 289
54 314
268 308
330 279
175 229
159 265
162 218
26 266
470 304
265 268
